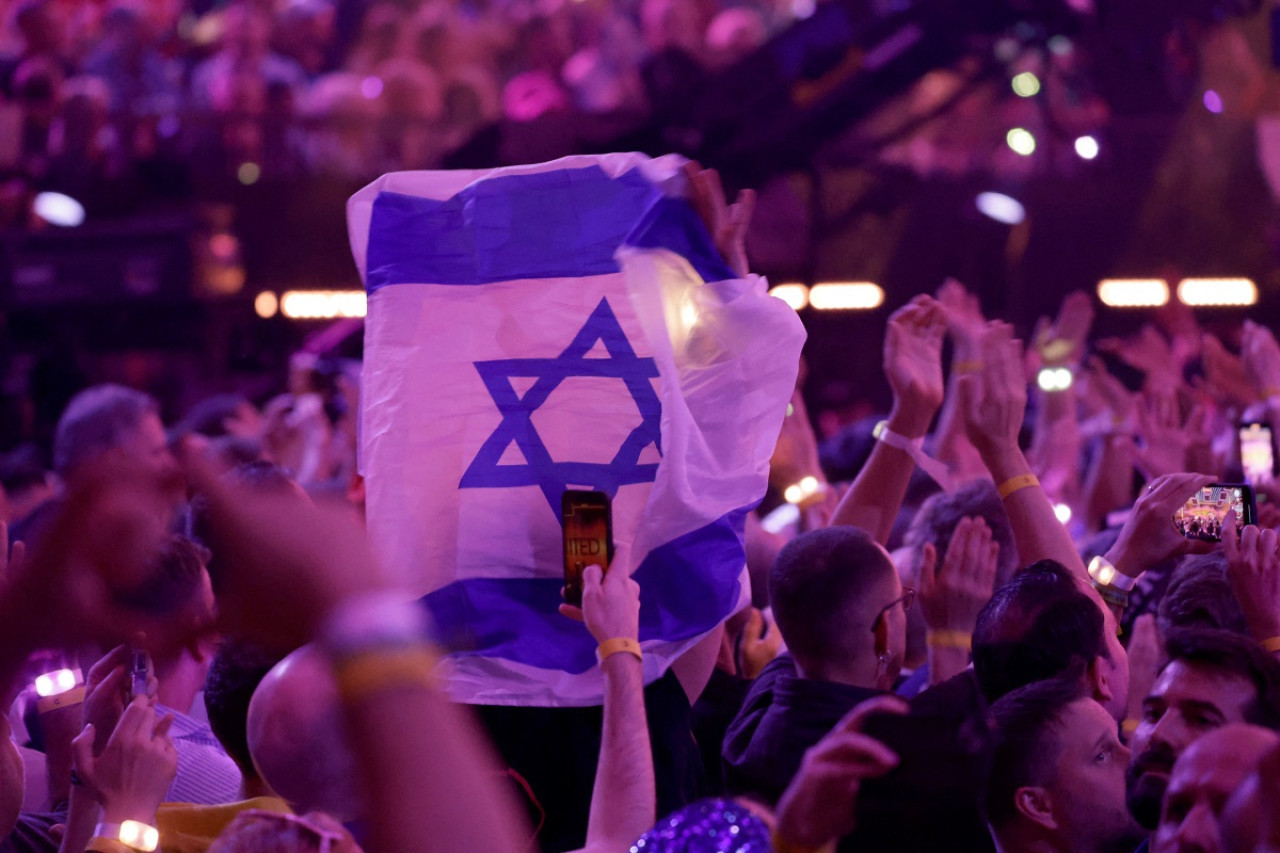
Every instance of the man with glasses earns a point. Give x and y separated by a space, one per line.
842 612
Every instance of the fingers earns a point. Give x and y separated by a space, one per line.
162 728
117 658
928 567
574 613
860 754
82 750
137 721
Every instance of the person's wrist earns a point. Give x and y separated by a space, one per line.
1003 458
119 811
910 420
1126 562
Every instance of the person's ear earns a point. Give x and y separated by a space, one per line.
1099 676
882 639
1036 805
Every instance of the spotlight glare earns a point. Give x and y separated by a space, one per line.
58 209
1217 292
265 304
1001 207
794 294
1063 512
323 304
1026 85
1087 147
846 296
1133 292
1021 141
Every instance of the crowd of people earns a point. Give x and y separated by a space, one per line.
130 106
974 627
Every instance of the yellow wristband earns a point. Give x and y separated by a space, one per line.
384 669
782 845
1271 644
1017 484
966 366
1128 727
949 640
619 644
74 696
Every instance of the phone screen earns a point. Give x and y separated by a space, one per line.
588 537
1257 455
1201 517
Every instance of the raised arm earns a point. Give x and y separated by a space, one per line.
624 798
993 401
913 366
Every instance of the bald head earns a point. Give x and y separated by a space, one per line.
1249 822
297 740
1202 782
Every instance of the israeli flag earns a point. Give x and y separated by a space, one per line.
539 328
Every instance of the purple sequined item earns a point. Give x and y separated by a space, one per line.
709 826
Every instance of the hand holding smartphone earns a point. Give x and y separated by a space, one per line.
1201 517
588 537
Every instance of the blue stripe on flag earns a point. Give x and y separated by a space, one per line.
687 587
562 224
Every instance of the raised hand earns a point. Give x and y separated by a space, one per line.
610 604
951 595
1253 570
993 400
1261 356
965 322
913 363
1148 537
1164 440
133 773
1149 352
819 804
1225 376
1063 341
727 223
1144 662
759 644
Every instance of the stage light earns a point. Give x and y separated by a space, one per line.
58 209
1001 207
1054 379
322 304
52 683
248 173
1026 85
1133 292
846 296
1217 292
1212 101
1087 147
1021 141
265 304
795 295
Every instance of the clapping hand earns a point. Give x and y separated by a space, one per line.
952 595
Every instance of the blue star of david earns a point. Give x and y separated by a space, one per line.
516 427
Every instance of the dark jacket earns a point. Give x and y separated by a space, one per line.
783 716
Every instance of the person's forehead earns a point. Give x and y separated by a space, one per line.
1084 724
1214 772
1181 681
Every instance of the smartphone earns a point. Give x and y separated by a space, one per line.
588 537
1201 517
139 672
1257 453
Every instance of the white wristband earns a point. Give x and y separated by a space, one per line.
131 833
914 448
1101 570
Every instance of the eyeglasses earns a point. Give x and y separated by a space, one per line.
908 598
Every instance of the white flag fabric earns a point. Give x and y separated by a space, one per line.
562 325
